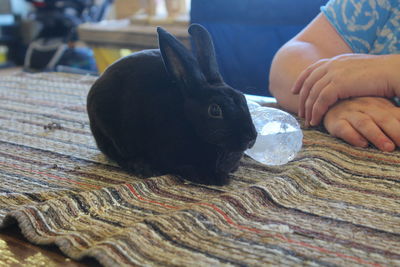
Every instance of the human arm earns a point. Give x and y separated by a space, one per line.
300 52
341 77
320 42
365 119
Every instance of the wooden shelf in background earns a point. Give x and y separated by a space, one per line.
123 34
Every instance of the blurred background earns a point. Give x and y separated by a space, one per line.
32 32
86 36
41 35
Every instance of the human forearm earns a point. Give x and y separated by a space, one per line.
287 65
295 56
392 64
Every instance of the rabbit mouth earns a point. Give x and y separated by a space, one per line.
237 145
228 161
242 146
229 141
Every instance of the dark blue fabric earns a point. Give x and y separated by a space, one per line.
247 34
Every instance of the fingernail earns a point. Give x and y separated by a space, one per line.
388 146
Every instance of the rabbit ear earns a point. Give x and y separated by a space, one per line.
205 53
179 62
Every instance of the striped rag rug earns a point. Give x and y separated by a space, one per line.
334 205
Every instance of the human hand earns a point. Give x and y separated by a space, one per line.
350 75
365 119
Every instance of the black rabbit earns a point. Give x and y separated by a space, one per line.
163 111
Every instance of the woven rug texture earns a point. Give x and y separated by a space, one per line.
334 205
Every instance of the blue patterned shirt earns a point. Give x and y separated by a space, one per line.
367 26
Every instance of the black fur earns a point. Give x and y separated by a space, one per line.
150 112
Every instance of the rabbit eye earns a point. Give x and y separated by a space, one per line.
214 111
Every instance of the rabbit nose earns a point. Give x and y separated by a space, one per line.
252 136
251 143
250 139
